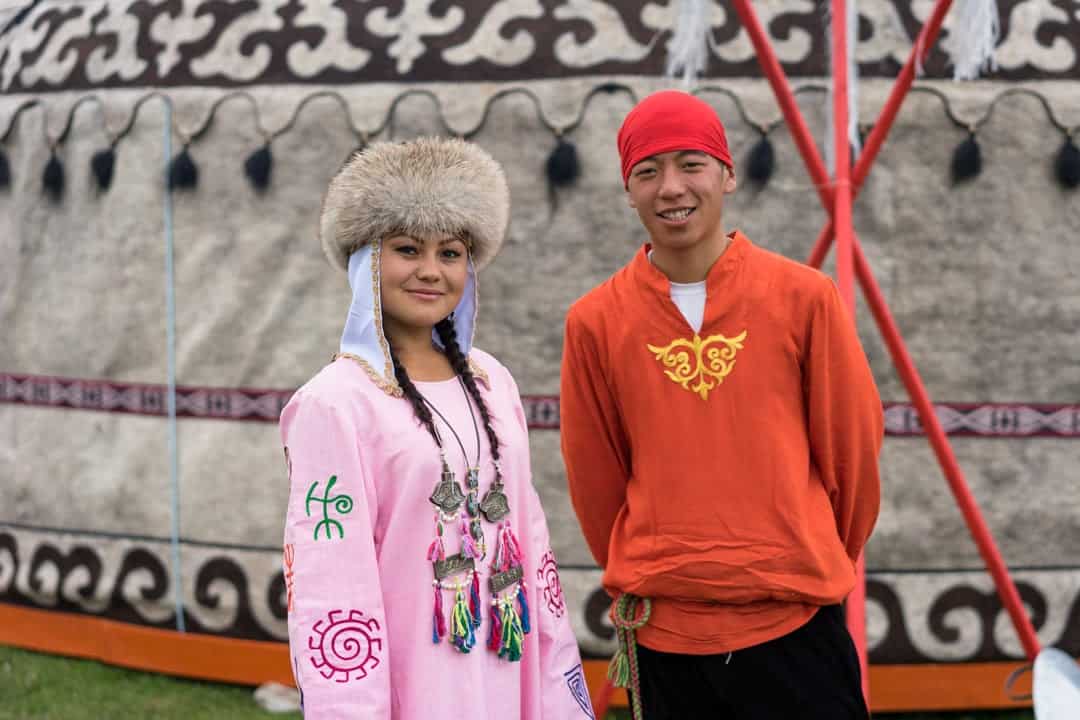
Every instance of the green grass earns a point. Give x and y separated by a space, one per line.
45 687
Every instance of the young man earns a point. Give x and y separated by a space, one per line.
721 431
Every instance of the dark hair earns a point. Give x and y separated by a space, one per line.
448 336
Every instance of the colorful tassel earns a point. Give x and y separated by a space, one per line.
437 549
474 600
507 551
525 627
512 634
512 546
619 670
468 545
461 629
438 621
495 637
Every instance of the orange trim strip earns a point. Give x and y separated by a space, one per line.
954 686
208 657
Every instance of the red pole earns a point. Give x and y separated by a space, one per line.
1010 598
938 440
845 274
845 277
925 40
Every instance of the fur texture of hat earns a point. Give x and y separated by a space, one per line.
422 188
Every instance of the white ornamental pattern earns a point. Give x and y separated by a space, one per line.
143 43
913 615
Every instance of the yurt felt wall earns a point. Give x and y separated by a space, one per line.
980 275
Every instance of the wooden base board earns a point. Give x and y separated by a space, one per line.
893 688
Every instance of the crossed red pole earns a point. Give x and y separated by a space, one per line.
837 196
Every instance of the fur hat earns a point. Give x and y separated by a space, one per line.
424 187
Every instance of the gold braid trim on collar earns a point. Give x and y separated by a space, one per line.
391 387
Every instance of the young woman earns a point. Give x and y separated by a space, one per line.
421 579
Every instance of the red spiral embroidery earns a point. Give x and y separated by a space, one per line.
346 648
548 575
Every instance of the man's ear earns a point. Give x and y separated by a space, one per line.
729 180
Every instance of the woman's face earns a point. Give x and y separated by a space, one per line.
422 280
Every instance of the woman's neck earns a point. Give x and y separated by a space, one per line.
414 349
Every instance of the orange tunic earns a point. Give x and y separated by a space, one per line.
729 475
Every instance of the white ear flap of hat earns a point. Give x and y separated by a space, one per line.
464 314
363 336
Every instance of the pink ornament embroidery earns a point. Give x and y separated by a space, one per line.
548 575
347 648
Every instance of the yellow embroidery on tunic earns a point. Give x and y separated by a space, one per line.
706 361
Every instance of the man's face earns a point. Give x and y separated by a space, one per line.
679 196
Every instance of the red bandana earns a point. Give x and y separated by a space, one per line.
671 120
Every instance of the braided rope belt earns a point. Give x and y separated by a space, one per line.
628 614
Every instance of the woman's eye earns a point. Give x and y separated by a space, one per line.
451 254
407 250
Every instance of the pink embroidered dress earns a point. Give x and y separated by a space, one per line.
358 529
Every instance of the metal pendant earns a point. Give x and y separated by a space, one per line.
495 506
453 565
476 530
500 581
471 505
447 495
472 478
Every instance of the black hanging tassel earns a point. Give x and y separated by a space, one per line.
52 181
5 170
182 171
966 160
258 166
103 163
762 161
563 167
1068 165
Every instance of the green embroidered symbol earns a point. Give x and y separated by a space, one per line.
342 504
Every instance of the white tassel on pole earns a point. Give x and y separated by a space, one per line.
973 35
688 49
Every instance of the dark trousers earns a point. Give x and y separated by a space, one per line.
810 673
